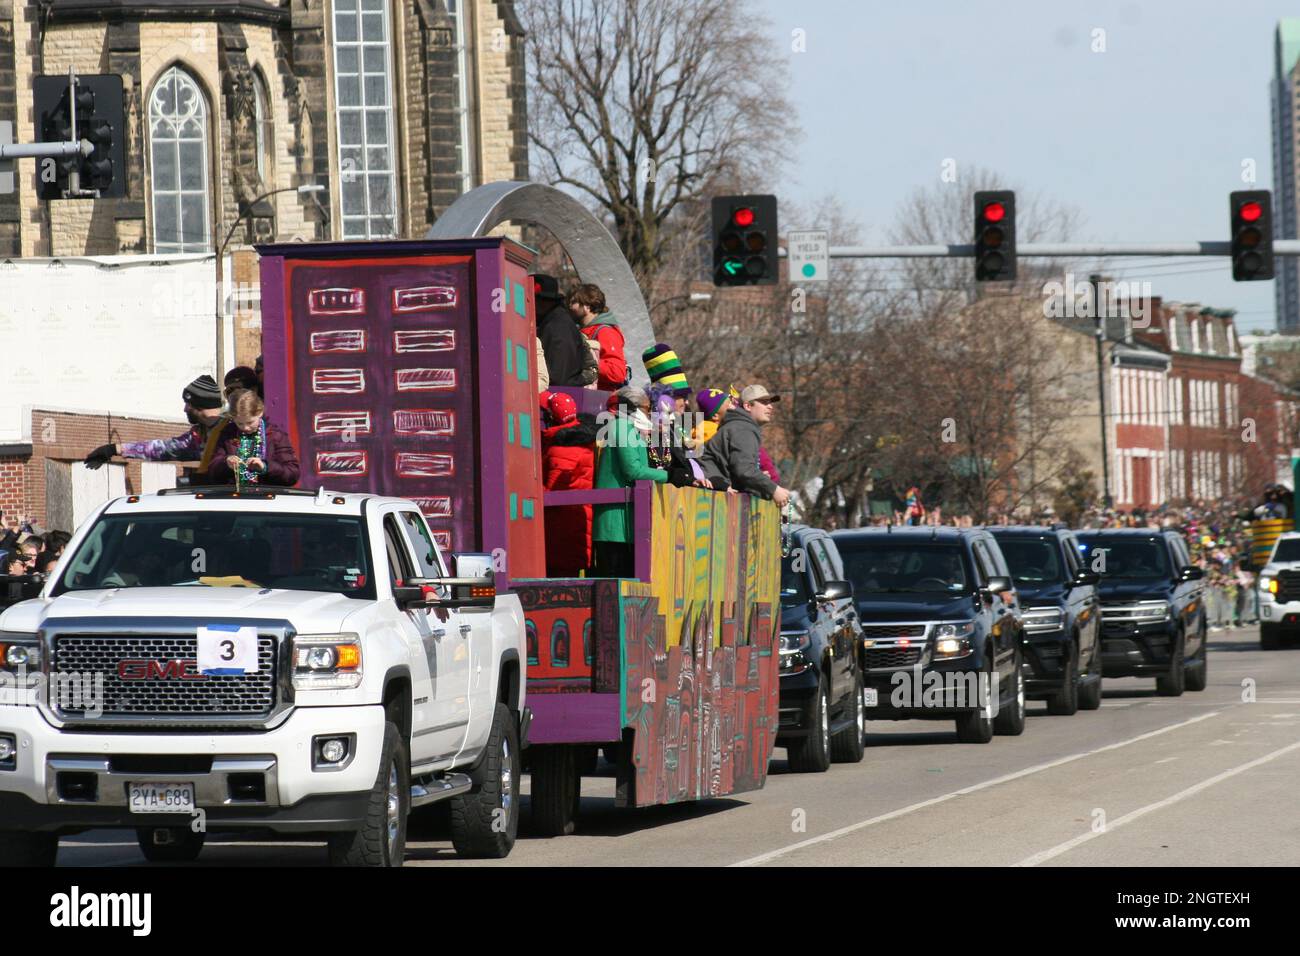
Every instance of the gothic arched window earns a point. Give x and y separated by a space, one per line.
178 154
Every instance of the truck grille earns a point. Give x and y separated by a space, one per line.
885 631
895 657
1288 586
164 690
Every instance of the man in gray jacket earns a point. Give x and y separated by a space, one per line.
733 452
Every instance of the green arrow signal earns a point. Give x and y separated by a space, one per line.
733 266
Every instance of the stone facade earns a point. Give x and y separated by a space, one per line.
231 47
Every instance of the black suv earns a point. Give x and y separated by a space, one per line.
941 628
1152 613
1062 615
821 712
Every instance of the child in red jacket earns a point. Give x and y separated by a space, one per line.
568 463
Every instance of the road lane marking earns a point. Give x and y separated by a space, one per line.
1127 818
975 788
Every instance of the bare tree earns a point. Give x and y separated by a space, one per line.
640 107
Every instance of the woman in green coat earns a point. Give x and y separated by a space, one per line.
623 460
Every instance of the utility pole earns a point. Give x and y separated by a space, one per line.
1095 281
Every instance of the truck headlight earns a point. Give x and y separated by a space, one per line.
20 659
1151 610
1268 584
952 639
1042 619
326 661
792 642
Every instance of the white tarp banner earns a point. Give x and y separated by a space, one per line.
120 334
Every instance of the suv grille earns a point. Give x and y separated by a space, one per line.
159 689
885 631
1288 586
893 656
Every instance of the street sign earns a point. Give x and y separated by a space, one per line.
809 257
6 165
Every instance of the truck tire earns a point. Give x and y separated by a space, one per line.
1198 677
849 745
485 821
812 754
1173 683
976 726
1065 702
556 790
1269 638
381 841
1090 693
1010 721
183 846
28 849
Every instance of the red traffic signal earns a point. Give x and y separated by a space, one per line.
1250 211
994 211
995 235
743 217
1252 234
745 240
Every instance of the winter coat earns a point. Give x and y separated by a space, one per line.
621 464
281 460
612 362
767 466
733 454
569 463
564 346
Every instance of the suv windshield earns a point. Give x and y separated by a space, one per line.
223 549
1288 549
1031 560
794 584
1129 558
890 567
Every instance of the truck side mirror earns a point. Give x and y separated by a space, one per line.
1191 573
998 583
474 564
410 596
1084 576
834 591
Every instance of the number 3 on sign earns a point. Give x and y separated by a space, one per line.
227 650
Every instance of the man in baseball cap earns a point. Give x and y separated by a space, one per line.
734 452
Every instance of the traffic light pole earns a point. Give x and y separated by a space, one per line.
1095 282
1061 250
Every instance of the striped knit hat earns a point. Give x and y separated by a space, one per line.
665 368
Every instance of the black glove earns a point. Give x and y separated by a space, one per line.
100 455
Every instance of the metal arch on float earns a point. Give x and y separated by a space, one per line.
594 251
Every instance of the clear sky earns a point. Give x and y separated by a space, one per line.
1146 139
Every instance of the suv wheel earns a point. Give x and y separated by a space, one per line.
169 844
1173 683
976 726
1199 675
1269 638
849 745
28 849
1066 701
1010 721
381 841
485 820
811 754
1090 693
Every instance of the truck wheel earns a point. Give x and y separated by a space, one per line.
811 754
484 821
1269 639
1090 693
976 726
1173 683
1199 676
169 844
849 745
381 841
556 790
1066 701
1010 721
28 849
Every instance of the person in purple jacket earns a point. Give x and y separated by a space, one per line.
250 450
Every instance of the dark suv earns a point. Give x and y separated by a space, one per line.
1062 615
1152 614
941 627
821 712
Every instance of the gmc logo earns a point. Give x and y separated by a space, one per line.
175 669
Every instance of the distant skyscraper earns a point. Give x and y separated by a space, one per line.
1285 89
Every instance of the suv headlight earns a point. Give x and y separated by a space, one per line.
326 661
1151 610
1041 619
953 639
20 662
792 642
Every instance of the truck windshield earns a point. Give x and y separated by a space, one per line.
223 549
1288 549
1031 560
891 567
1128 558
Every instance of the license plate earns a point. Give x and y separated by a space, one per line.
160 797
869 698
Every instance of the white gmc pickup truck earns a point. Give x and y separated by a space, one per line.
280 661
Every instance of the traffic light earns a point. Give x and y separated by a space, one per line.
1252 234
744 240
995 236
101 121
